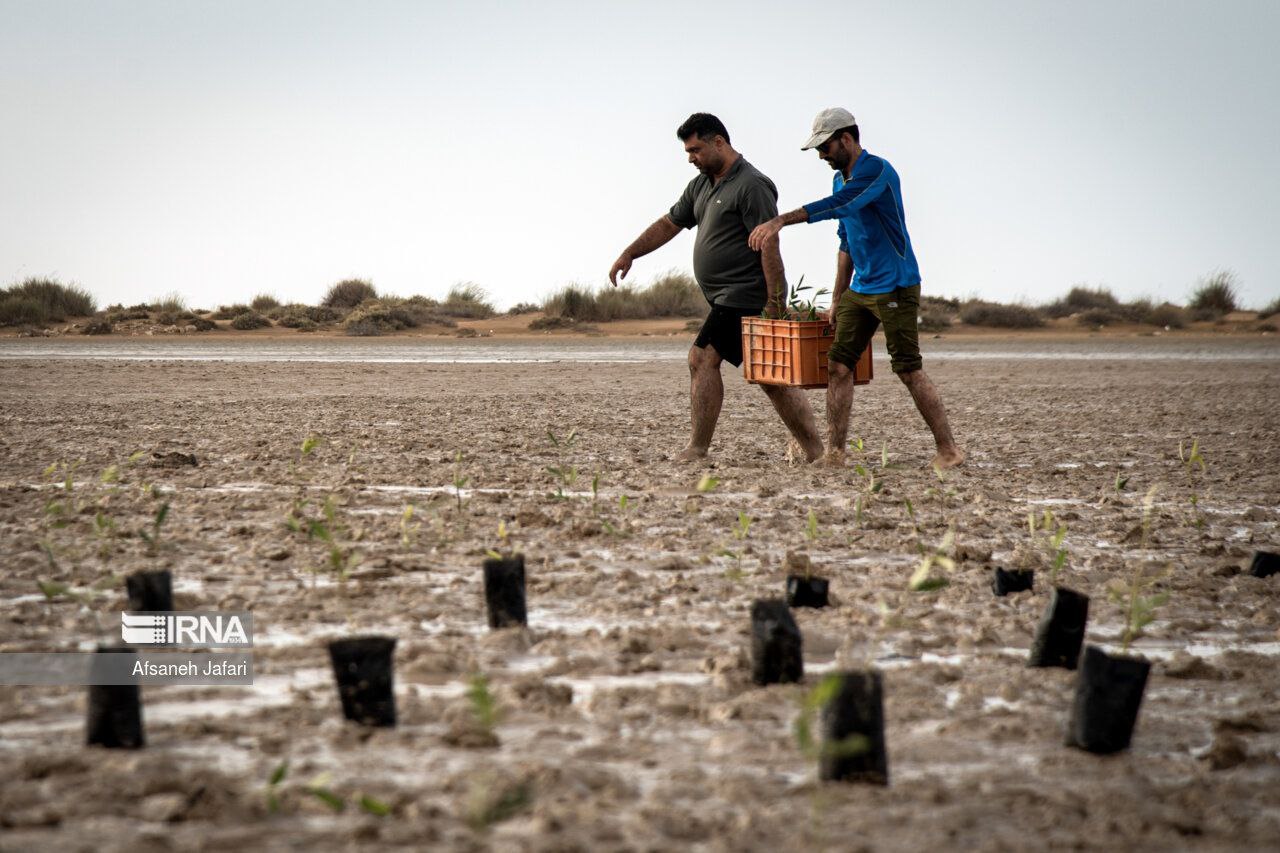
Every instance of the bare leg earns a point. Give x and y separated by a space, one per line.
929 402
839 401
794 409
706 395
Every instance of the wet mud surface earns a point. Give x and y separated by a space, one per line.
626 718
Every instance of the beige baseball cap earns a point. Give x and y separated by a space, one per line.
826 124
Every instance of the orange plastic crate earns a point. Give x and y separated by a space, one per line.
792 352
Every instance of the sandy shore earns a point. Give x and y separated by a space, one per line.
628 719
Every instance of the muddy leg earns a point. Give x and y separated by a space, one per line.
839 401
797 414
929 402
706 395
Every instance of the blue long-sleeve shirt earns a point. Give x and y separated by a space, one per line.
873 225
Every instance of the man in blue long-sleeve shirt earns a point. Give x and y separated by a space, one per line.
877 279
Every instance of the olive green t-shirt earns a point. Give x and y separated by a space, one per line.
726 268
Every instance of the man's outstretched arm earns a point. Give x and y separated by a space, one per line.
654 237
769 230
775 278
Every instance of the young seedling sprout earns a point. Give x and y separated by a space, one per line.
321 789
1189 462
923 579
153 538
459 480
408 527
1054 532
707 484
624 506
740 532
1137 601
811 526
484 706
504 550
811 705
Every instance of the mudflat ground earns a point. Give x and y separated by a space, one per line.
626 715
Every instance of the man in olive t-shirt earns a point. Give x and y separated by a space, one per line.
728 199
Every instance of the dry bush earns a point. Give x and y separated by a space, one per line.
16 310
46 299
1080 299
979 313
249 320
524 308
1270 310
349 293
1165 315
1216 296
97 326
297 316
937 313
469 301
1100 317
673 294
264 302
391 315
542 324
571 302
228 312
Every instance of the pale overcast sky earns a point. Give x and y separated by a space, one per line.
223 149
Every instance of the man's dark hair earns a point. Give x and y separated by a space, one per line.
702 125
852 130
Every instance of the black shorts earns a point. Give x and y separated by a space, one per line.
723 331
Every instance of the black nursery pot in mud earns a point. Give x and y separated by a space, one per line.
1005 581
775 643
1265 564
363 667
1108 694
807 591
1061 631
853 732
114 719
504 591
150 590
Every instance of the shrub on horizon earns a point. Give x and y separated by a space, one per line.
1081 298
673 294
58 300
979 313
469 301
1270 310
349 293
249 320
264 302
229 312
17 310
1216 296
1165 315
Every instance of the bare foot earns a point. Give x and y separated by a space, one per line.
947 459
833 459
692 454
796 453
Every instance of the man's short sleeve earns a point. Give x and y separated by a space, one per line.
682 211
758 203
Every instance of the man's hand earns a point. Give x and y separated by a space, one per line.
621 265
774 309
765 232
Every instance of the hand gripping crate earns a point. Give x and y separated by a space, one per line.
792 352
